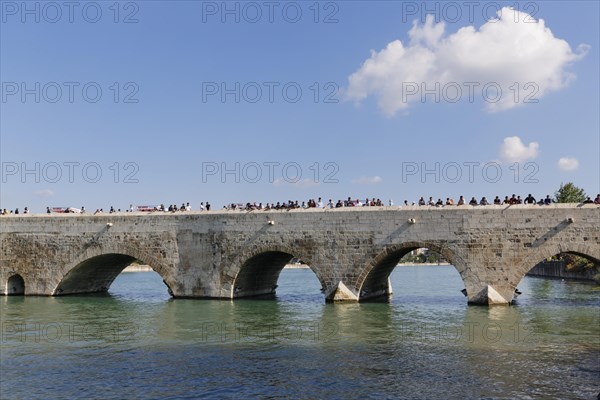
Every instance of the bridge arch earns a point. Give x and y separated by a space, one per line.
15 285
373 280
96 269
257 271
550 250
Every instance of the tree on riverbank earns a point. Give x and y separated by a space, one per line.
569 193
575 263
423 257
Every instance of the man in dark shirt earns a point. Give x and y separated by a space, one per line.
529 199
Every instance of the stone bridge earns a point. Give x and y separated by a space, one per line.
233 254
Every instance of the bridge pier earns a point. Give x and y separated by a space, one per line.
341 294
490 295
377 292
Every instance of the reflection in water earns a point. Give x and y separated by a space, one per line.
424 343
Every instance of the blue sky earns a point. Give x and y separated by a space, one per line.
163 130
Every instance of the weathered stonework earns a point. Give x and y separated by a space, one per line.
352 251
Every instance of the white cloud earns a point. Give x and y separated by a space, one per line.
514 150
515 48
367 180
568 164
44 193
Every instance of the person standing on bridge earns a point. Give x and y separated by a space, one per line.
529 199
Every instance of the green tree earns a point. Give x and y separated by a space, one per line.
569 193
575 263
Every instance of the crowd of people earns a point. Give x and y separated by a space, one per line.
484 201
312 203
4 211
161 208
375 202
